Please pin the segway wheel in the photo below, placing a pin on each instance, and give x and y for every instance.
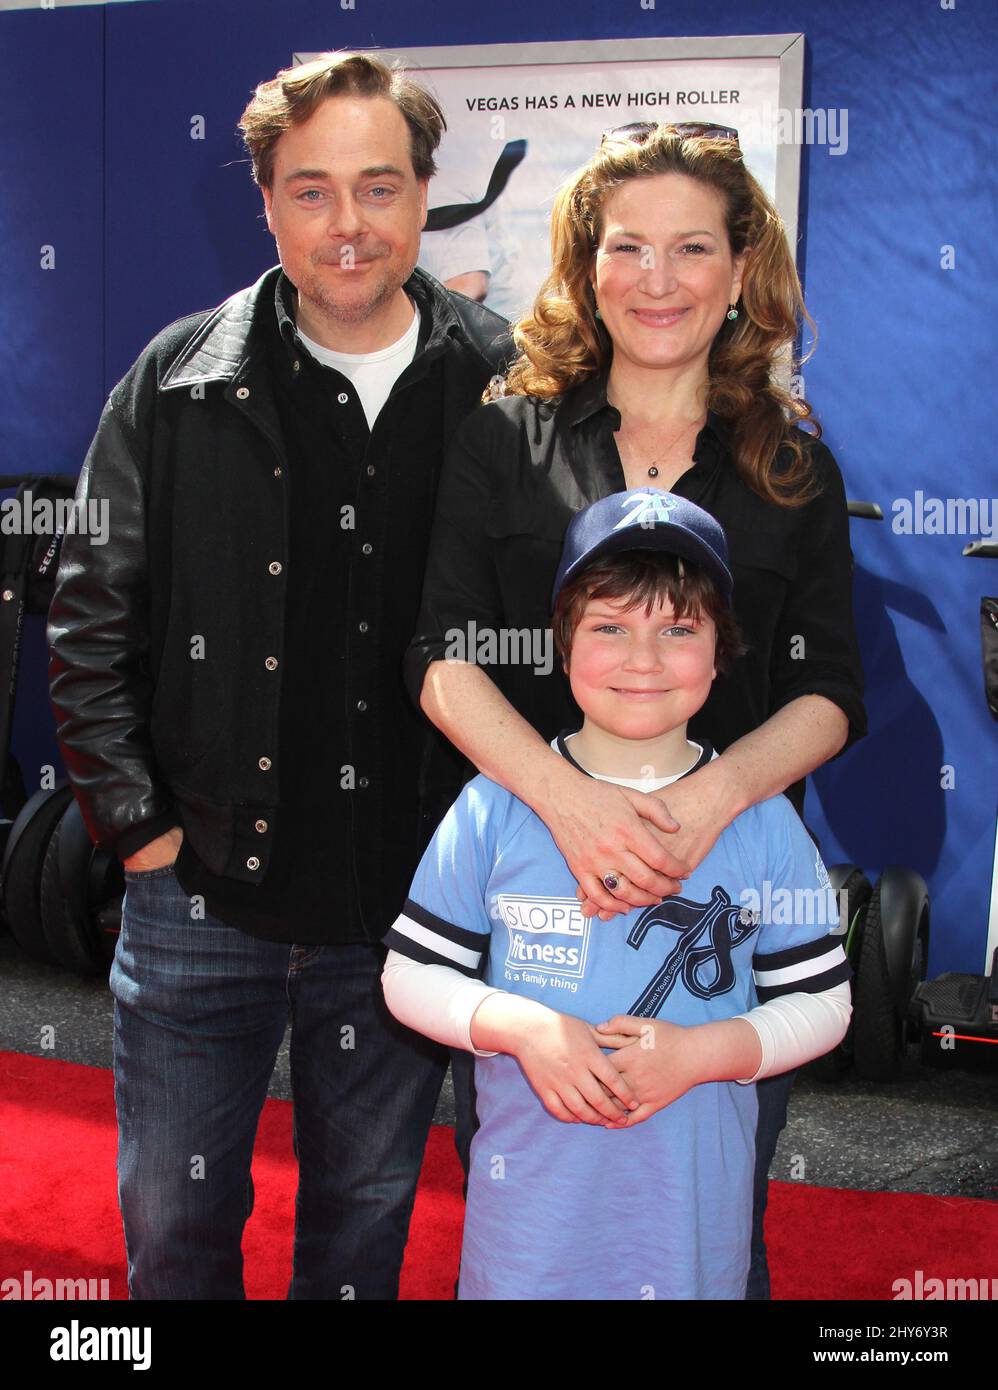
(876, 1035)
(895, 930)
(65, 907)
(106, 894)
(847, 879)
(23, 860)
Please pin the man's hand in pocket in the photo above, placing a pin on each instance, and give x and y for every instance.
(157, 853)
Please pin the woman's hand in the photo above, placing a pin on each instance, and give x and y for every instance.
(701, 805)
(560, 1058)
(600, 827)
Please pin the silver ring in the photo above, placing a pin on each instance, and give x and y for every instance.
(611, 881)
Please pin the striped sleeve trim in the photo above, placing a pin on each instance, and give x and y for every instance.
(807, 969)
(431, 940)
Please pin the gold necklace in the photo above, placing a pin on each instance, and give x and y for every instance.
(653, 470)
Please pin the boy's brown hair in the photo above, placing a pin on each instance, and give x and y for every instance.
(648, 577)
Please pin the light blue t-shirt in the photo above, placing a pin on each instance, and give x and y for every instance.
(575, 1211)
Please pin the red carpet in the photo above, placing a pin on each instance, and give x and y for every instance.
(60, 1219)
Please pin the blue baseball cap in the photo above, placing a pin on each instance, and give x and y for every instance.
(645, 519)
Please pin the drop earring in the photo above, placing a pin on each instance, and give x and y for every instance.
(732, 313)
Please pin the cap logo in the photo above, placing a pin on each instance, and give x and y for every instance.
(647, 509)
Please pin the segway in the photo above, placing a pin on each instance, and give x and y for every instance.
(28, 566)
(885, 935)
(82, 889)
(892, 963)
(957, 1014)
(21, 874)
(853, 891)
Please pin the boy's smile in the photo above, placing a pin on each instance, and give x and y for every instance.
(638, 677)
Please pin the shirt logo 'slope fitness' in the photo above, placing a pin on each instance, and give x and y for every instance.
(701, 957)
(546, 935)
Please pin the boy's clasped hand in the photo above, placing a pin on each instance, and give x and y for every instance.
(615, 1074)
(651, 1062)
(659, 1060)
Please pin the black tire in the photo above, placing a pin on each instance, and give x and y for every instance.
(6, 826)
(107, 892)
(14, 794)
(892, 963)
(835, 1064)
(108, 925)
(877, 1040)
(910, 1031)
(65, 897)
(858, 889)
(23, 860)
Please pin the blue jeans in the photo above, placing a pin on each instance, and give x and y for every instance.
(773, 1095)
(462, 1070)
(200, 1012)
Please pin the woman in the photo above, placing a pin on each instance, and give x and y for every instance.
(649, 360)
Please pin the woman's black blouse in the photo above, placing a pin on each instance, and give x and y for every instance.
(516, 472)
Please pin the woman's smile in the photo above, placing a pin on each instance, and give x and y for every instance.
(659, 318)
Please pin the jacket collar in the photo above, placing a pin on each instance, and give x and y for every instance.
(438, 321)
(223, 346)
(587, 399)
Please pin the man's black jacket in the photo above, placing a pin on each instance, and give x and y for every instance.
(190, 459)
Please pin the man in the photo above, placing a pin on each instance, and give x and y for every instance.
(226, 678)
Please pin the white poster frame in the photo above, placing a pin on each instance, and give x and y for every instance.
(788, 49)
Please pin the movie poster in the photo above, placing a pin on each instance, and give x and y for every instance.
(516, 130)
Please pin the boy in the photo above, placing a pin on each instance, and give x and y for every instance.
(562, 1202)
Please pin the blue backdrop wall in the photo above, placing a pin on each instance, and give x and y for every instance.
(147, 225)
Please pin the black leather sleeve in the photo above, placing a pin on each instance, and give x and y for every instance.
(98, 633)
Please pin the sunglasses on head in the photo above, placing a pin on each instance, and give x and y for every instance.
(639, 131)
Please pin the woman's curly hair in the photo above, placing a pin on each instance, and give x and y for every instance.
(562, 343)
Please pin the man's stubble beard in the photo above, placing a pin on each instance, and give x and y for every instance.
(350, 314)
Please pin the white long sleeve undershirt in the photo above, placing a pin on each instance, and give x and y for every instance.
(441, 1002)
